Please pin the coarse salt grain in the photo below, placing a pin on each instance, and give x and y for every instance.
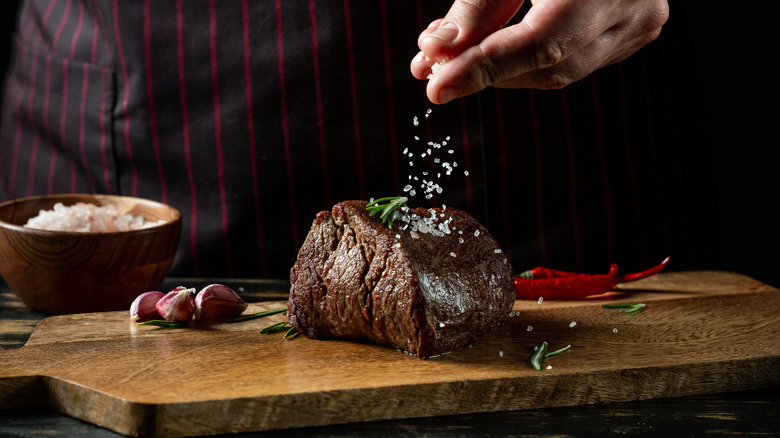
(614, 330)
(530, 328)
(572, 324)
(86, 217)
(540, 300)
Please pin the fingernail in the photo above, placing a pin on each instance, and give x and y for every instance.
(446, 33)
(447, 94)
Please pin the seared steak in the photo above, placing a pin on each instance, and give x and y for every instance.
(436, 282)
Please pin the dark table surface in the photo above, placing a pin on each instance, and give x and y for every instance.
(747, 413)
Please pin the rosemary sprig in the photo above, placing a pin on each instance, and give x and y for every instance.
(165, 324)
(386, 208)
(626, 307)
(541, 353)
(258, 315)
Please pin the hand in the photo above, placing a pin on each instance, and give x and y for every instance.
(557, 43)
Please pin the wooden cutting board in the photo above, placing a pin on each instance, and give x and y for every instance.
(702, 332)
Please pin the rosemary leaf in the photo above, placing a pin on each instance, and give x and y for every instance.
(289, 334)
(536, 359)
(275, 328)
(258, 315)
(636, 308)
(164, 324)
(553, 353)
(626, 307)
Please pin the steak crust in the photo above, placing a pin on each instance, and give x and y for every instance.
(434, 283)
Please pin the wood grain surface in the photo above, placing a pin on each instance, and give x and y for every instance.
(702, 332)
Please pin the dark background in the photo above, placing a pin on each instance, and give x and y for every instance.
(731, 47)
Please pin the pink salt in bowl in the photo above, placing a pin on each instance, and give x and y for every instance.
(63, 272)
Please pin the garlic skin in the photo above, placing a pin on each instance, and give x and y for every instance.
(218, 301)
(144, 307)
(177, 305)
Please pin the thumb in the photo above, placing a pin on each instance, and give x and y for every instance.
(467, 23)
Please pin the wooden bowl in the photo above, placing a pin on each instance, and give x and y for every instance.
(73, 272)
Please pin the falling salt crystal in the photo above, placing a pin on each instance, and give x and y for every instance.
(407, 187)
(451, 151)
(453, 254)
(501, 353)
(540, 300)
(530, 328)
(497, 251)
(476, 233)
(466, 172)
(406, 150)
(572, 324)
(416, 122)
(614, 330)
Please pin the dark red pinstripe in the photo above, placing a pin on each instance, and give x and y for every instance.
(150, 98)
(538, 162)
(100, 27)
(102, 123)
(30, 103)
(63, 109)
(654, 149)
(82, 113)
(186, 136)
(83, 103)
(218, 134)
(46, 128)
(355, 109)
(630, 165)
(682, 189)
(390, 102)
(504, 194)
(286, 122)
(18, 121)
(606, 190)
(575, 223)
(251, 134)
(318, 97)
(464, 132)
(126, 87)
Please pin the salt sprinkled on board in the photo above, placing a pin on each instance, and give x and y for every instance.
(572, 324)
(614, 330)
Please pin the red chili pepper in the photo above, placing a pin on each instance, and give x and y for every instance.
(561, 285)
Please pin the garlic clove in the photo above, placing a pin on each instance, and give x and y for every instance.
(177, 305)
(144, 306)
(218, 301)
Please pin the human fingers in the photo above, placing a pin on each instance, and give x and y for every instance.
(466, 23)
(540, 51)
(575, 67)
